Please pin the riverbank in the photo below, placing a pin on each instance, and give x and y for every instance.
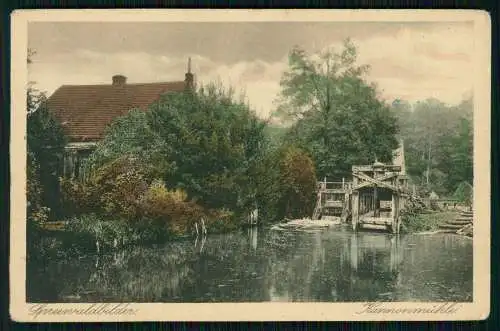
(91, 230)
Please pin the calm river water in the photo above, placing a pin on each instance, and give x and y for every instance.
(262, 265)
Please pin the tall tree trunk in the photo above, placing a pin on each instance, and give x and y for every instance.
(428, 163)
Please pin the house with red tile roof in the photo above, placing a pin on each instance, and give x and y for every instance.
(85, 111)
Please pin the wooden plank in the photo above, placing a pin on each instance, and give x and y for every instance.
(373, 181)
(373, 226)
(333, 204)
(362, 168)
(340, 191)
(369, 168)
(368, 184)
(376, 220)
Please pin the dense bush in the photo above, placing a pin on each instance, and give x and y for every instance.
(286, 184)
(122, 192)
(211, 142)
(45, 146)
(169, 209)
(113, 189)
(298, 183)
(464, 193)
(413, 223)
(36, 212)
(191, 155)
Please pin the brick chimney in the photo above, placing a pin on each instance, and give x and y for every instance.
(189, 78)
(119, 80)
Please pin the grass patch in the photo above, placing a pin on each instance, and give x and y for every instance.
(426, 222)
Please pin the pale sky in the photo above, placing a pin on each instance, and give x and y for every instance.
(410, 61)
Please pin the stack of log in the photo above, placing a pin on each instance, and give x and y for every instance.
(461, 225)
(415, 204)
(467, 229)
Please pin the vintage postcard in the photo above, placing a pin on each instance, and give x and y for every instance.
(239, 165)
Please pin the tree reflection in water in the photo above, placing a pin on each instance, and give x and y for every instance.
(262, 265)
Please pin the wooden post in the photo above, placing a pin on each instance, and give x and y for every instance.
(65, 159)
(393, 207)
(355, 209)
(395, 213)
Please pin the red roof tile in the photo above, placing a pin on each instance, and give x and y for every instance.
(86, 110)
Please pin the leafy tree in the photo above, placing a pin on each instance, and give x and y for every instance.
(202, 142)
(130, 135)
(338, 117)
(213, 142)
(438, 142)
(464, 193)
(45, 146)
(275, 135)
(286, 183)
(297, 182)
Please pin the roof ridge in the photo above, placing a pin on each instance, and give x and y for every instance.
(127, 84)
(88, 109)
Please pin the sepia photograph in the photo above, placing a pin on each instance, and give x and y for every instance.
(293, 159)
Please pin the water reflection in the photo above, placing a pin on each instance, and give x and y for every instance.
(253, 236)
(263, 265)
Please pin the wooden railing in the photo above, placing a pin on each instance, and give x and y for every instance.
(324, 185)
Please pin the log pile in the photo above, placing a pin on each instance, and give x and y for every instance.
(461, 225)
(467, 229)
(306, 224)
(414, 204)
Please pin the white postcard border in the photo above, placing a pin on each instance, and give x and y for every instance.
(62, 312)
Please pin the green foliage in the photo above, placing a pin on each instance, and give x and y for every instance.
(464, 193)
(275, 135)
(120, 192)
(204, 143)
(214, 144)
(413, 223)
(169, 210)
(191, 155)
(438, 143)
(297, 182)
(268, 186)
(286, 183)
(113, 189)
(130, 135)
(120, 184)
(36, 212)
(45, 146)
(339, 118)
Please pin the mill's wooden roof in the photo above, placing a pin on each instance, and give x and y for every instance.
(86, 110)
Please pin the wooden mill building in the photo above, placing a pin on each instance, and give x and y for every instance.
(374, 198)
